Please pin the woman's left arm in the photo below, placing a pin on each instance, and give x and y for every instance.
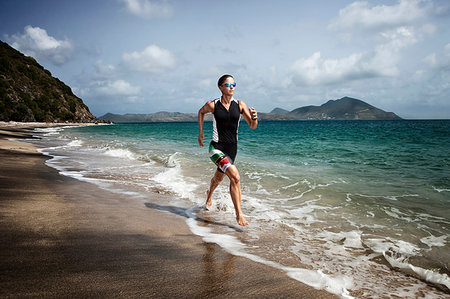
(250, 115)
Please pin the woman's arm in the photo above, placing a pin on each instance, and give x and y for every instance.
(250, 115)
(207, 108)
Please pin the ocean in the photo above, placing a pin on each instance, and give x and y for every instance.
(358, 208)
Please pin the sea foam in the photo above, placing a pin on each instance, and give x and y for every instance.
(316, 278)
(426, 274)
(120, 153)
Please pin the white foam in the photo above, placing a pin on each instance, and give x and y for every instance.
(172, 161)
(397, 247)
(400, 196)
(316, 278)
(351, 239)
(434, 241)
(49, 131)
(290, 186)
(173, 180)
(440, 190)
(395, 213)
(306, 213)
(120, 153)
(348, 197)
(428, 275)
(75, 143)
(334, 284)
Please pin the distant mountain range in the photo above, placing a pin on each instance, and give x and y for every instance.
(162, 116)
(28, 92)
(341, 109)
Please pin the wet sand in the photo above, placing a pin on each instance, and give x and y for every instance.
(61, 237)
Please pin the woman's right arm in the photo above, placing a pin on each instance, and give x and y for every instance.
(207, 108)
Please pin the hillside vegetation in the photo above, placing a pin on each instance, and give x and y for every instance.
(28, 92)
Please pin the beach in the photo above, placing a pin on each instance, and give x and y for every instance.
(61, 237)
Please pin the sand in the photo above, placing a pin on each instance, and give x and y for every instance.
(61, 237)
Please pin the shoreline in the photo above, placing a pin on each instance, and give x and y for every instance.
(64, 237)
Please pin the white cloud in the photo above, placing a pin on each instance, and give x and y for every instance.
(400, 37)
(315, 70)
(360, 15)
(439, 61)
(37, 43)
(387, 55)
(152, 59)
(390, 29)
(149, 9)
(117, 88)
(104, 71)
(381, 62)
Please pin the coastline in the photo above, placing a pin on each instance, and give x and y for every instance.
(64, 237)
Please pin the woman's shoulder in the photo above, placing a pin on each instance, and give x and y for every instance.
(241, 103)
(212, 102)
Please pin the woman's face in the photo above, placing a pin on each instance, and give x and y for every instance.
(228, 91)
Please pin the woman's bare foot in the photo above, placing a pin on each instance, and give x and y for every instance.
(241, 220)
(208, 199)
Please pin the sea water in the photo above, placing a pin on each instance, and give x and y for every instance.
(358, 208)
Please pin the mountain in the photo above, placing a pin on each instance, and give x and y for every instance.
(279, 111)
(342, 109)
(151, 117)
(28, 92)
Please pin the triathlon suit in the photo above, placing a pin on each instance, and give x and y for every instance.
(223, 147)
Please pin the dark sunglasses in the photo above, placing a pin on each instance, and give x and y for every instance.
(229, 84)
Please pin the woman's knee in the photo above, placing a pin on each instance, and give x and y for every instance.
(234, 176)
(236, 180)
(217, 178)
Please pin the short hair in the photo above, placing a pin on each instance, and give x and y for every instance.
(222, 79)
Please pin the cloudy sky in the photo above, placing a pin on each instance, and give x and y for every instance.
(145, 56)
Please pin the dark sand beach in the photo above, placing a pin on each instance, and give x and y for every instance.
(61, 237)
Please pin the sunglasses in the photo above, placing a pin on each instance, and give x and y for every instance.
(229, 84)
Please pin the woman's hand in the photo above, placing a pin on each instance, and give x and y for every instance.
(253, 113)
(201, 136)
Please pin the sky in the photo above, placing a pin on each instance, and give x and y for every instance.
(146, 56)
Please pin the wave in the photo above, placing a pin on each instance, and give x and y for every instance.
(425, 274)
(434, 241)
(336, 237)
(75, 143)
(440, 189)
(334, 284)
(120, 153)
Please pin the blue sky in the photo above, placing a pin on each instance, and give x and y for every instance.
(145, 56)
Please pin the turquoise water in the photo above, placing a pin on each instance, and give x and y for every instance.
(359, 208)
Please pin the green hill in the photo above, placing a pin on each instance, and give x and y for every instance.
(28, 92)
(344, 109)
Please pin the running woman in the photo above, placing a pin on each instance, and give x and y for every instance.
(227, 113)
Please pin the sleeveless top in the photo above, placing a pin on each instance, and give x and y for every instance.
(226, 122)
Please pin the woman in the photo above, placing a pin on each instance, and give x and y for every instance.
(223, 148)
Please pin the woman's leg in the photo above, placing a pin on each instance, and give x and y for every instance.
(215, 181)
(235, 192)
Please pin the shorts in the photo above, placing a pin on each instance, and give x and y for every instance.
(222, 155)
